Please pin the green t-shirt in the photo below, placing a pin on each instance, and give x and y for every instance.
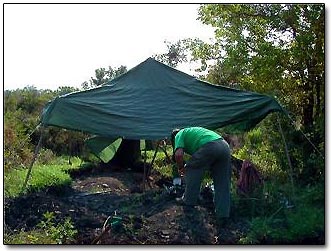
(192, 138)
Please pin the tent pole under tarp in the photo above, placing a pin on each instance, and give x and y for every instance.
(144, 178)
(148, 172)
(163, 148)
(33, 159)
(156, 149)
(160, 144)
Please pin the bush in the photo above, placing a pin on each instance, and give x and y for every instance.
(46, 232)
(17, 146)
(61, 232)
(284, 224)
(259, 150)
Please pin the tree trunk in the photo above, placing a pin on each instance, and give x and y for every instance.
(308, 112)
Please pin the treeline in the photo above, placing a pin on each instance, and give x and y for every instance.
(22, 110)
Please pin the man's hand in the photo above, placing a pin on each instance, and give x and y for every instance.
(181, 171)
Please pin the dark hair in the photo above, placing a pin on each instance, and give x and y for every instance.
(173, 135)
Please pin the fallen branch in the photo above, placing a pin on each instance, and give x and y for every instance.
(105, 229)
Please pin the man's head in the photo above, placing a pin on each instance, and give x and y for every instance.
(173, 135)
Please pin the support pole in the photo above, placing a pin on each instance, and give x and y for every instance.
(154, 156)
(145, 159)
(163, 148)
(287, 155)
(33, 159)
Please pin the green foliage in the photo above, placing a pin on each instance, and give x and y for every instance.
(33, 237)
(41, 177)
(175, 54)
(161, 164)
(102, 76)
(65, 142)
(48, 231)
(17, 146)
(285, 223)
(276, 49)
(22, 108)
(261, 151)
(46, 156)
(61, 233)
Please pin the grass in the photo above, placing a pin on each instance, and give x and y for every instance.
(56, 173)
(41, 177)
(29, 237)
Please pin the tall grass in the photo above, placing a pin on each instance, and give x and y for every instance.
(41, 176)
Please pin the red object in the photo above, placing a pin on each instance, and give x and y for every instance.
(249, 179)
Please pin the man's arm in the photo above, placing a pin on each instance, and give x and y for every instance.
(179, 157)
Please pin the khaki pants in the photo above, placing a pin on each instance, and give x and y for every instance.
(216, 157)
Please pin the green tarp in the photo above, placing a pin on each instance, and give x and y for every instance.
(104, 148)
(152, 99)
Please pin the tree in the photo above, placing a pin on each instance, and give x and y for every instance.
(102, 76)
(276, 49)
(285, 41)
(175, 54)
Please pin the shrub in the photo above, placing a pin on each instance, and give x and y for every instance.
(46, 232)
(31, 237)
(284, 224)
(61, 232)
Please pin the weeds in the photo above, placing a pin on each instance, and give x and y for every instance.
(61, 232)
(46, 232)
(30, 237)
(280, 222)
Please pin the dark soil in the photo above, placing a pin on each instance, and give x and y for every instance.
(147, 216)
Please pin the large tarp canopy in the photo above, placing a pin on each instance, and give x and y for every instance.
(152, 99)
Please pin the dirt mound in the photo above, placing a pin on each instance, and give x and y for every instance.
(149, 217)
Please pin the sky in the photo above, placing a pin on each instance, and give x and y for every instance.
(52, 45)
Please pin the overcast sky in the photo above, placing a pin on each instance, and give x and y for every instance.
(48, 46)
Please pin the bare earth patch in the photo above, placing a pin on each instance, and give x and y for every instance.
(149, 217)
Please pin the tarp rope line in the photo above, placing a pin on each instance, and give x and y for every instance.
(287, 156)
(145, 171)
(293, 122)
(28, 137)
